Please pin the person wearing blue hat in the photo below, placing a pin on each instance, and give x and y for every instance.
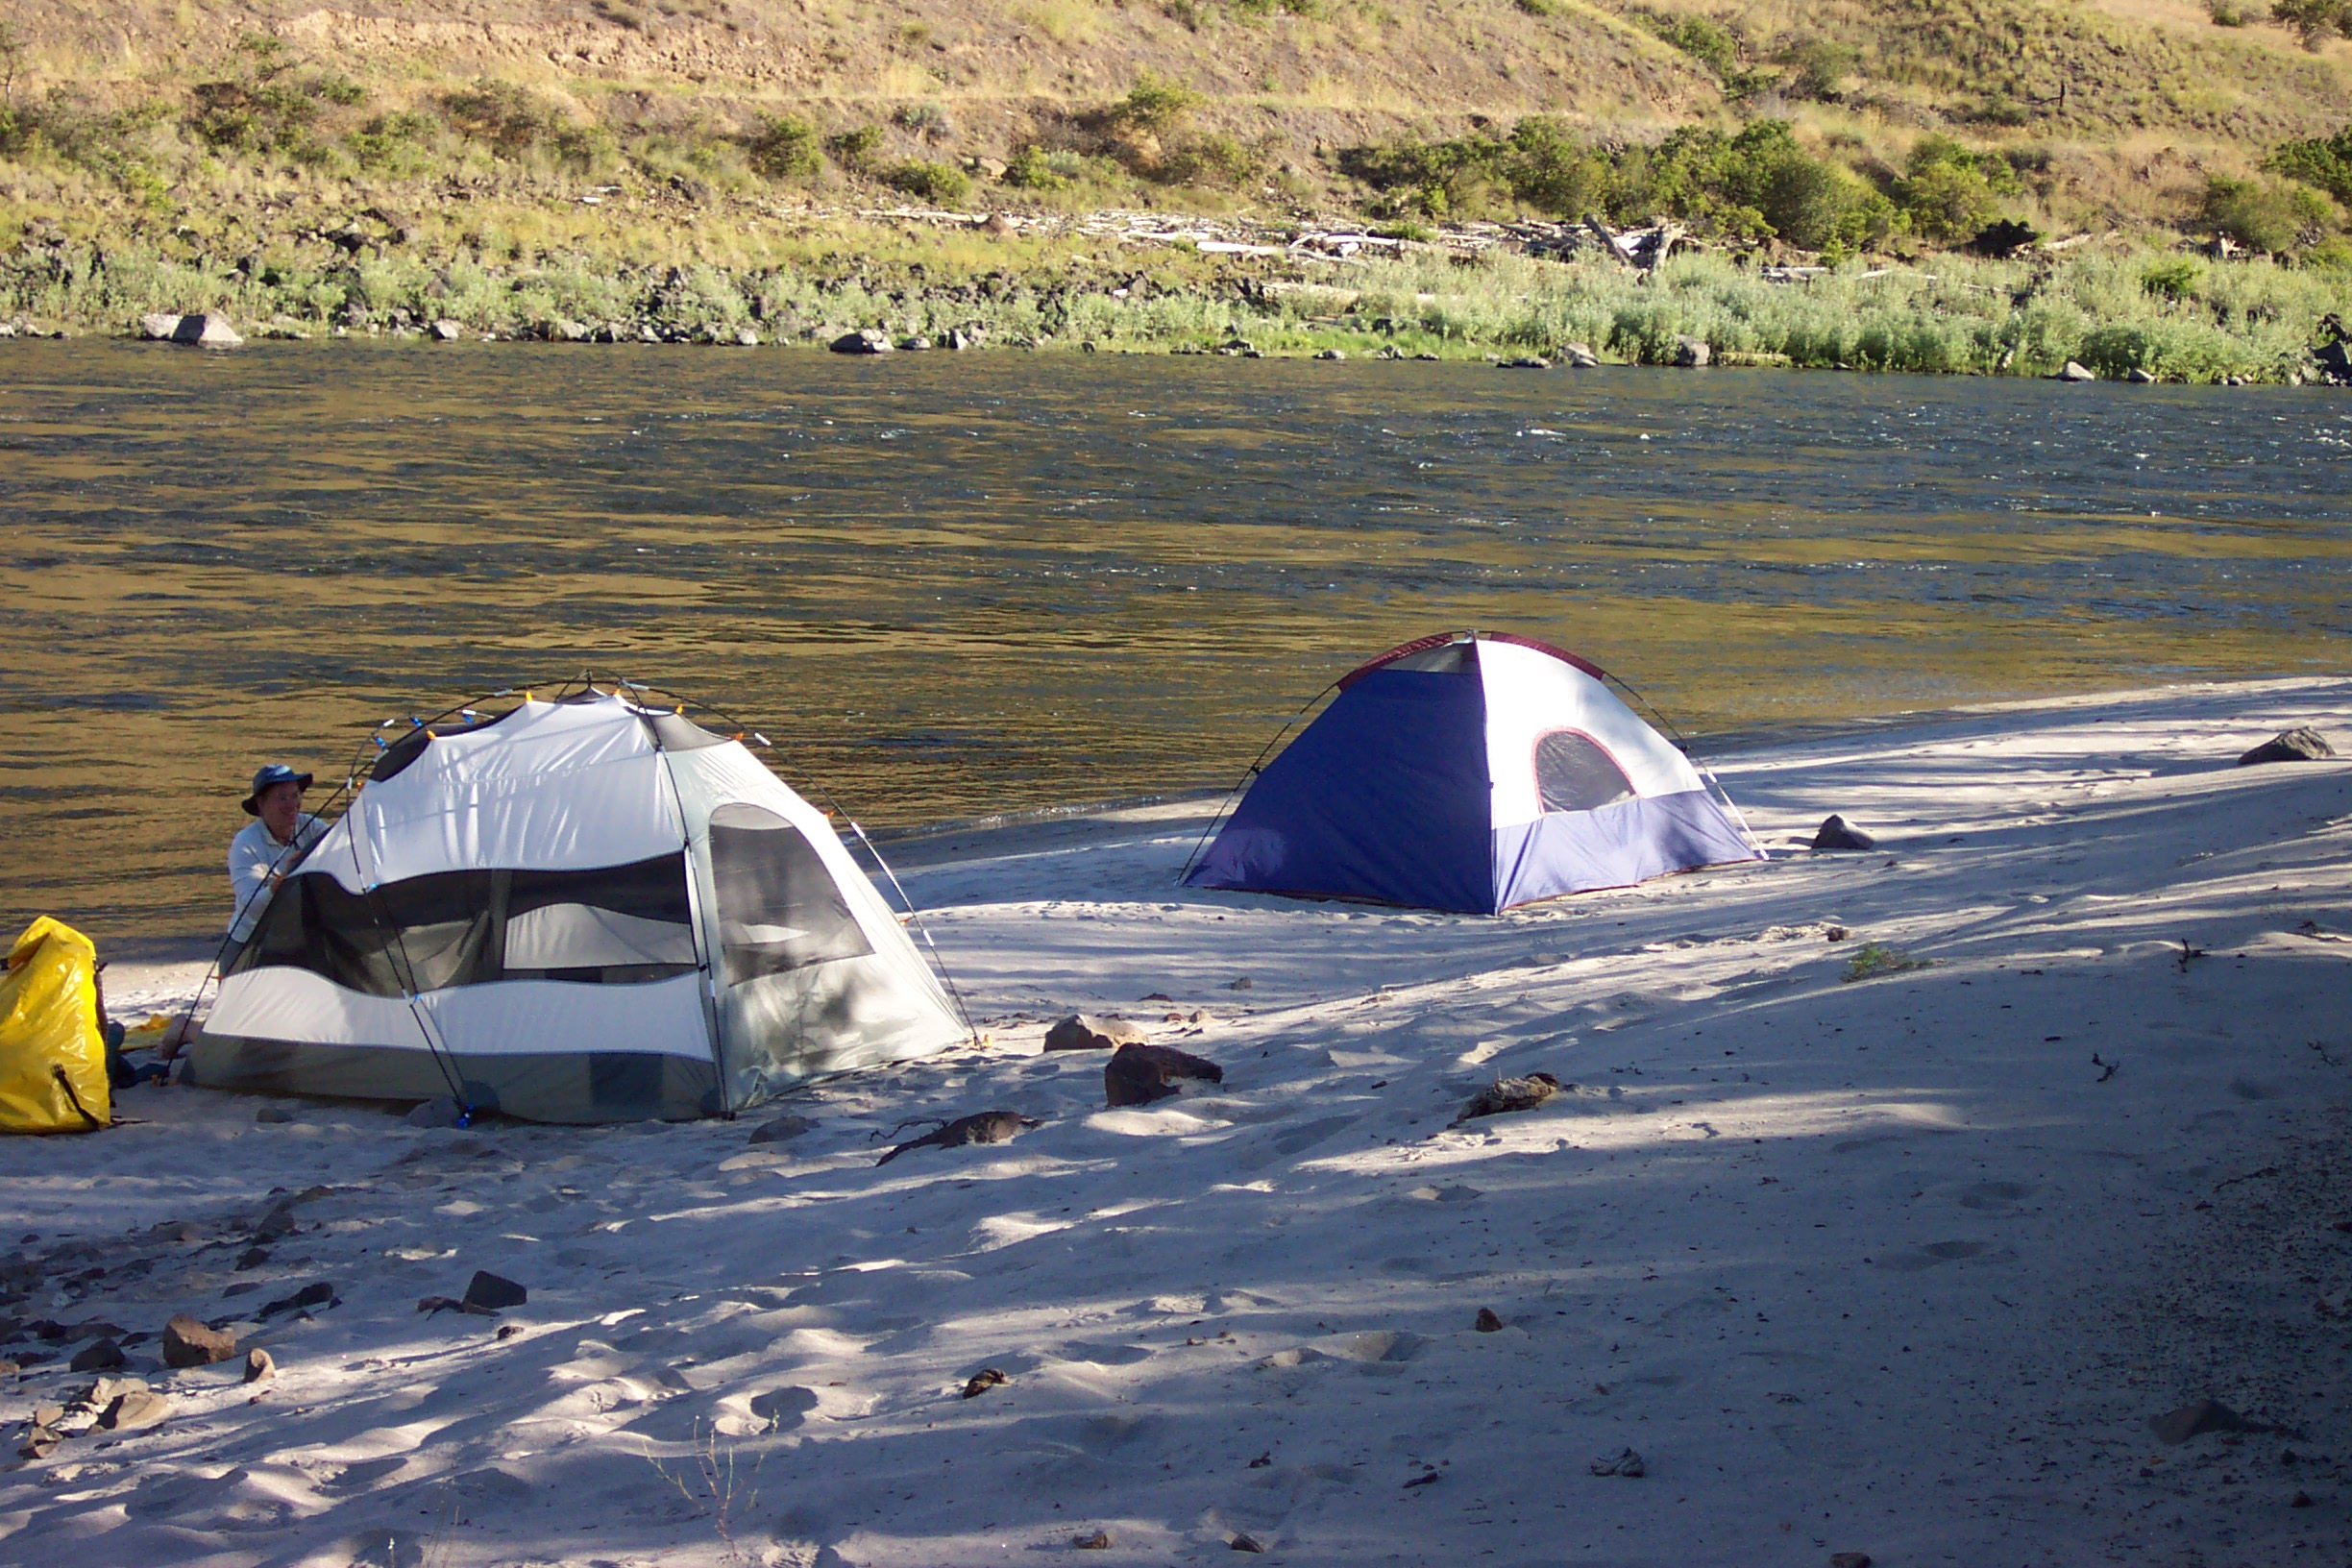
(268, 846)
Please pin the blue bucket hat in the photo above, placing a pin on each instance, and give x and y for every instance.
(277, 772)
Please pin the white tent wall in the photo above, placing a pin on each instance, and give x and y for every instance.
(781, 1028)
(485, 800)
(1530, 694)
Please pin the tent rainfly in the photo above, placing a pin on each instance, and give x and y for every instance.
(1472, 772)
(578, 911)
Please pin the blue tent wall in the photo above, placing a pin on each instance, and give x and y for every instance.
(1384, 797)
(1615, 846)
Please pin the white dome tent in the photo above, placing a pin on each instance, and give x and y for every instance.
(584, 910)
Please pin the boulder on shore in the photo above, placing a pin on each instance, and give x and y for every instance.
(2073, 372)
(158, 328)
(1692, 353)
(1140, 1074)
(1579, 357)
(207, 331)
(1083, 1032)
(1837, 833)
(2303, 744)
(187, 1342)
(865, 340)
(446, 331)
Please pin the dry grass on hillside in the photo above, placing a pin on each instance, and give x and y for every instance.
(2119, 108)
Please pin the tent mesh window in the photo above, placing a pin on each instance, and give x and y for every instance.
(779, 907)
(605, 925)
(1574, 774)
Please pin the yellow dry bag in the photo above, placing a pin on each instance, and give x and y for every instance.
(52, 1071)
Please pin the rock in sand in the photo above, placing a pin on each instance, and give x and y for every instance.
(1486, 1322)
(98, 1355)
(2196, 1418)
(1849, 1559)
(2304, 744)
(982, 1381)
(1083, 1032)
(1508, 1094)
(1099, 1541)
(780, 1129)
(444, 1112)
(259, 1365)
(1836, 833)
(138, 1408)
(187, 1342)
(1140, 1074)
(1624, 1463)
(493, 1293)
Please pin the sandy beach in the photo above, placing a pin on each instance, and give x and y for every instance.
(1892, 1196)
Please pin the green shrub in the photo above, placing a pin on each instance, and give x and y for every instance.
(1756, 185)
(851, 149)
(939, 183)
(1032, 168)
(2333, 253)
(927, 121)
(2230, 13)
(513, 122)
(1551, 171)
(2315, 21)
(786, 148)
(2264, 215)
(1153, 105)
(1822, 66)
(1708, 42)
(1538, 8)
(395, 144)
(1220, 160)
(2326, 164)
(2175, 278)
(1947, 202)
(1950, 193)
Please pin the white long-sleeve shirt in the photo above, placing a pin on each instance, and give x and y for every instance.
(253, 857)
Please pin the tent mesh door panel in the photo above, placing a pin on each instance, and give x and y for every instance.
(779, 908)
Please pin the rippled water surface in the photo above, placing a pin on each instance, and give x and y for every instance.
(952, 586)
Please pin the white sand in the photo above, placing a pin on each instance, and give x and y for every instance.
(1879, 1266)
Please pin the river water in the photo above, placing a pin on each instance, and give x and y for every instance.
(949, 587)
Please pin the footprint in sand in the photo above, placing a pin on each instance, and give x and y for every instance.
(1997, 1196)
(1930, 1255)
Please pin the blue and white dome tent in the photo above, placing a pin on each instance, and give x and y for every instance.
(1473, 772)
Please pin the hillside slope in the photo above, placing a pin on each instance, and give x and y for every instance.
(2147, 78)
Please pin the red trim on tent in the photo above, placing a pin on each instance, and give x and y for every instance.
(1441, 638)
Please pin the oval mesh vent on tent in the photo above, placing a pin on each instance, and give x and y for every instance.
(1573, 774)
